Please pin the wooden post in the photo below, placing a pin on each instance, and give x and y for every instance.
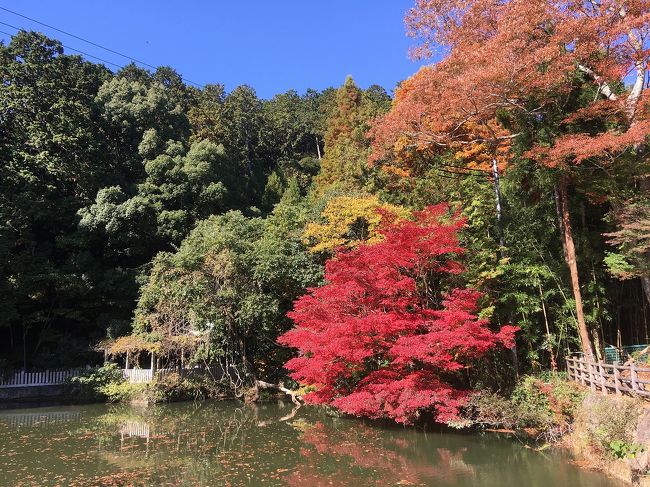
(574, 369)
(603, 382)
(126, 365)
(153, 365)
(568, 368)
(633, 378)
(592, 376)
(617, 379)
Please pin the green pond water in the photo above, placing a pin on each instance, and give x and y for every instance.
(226, 443)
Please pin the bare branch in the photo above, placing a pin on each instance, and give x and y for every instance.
(602, 84)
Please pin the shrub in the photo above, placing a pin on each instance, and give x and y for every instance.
(487, 409)
(620, 449)
(549, 399)
(546, 404)
(93, 384)
(608, 425)
(174, 387)
(122, 391)
(5, 368)
(642, 357)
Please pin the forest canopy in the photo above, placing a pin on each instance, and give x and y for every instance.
(502, 188)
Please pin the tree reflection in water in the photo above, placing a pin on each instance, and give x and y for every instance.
(363, 455)
(229, 444)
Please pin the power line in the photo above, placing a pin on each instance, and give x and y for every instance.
(76, 37)
(91, 43)
(445, 173)
(467, 169)
(66, 47)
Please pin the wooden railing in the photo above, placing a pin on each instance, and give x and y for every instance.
(610, 378)
(44, 378)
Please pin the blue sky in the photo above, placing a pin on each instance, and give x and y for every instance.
(271, 45)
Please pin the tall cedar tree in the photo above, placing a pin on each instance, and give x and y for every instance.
(345, 163)
(382, 339)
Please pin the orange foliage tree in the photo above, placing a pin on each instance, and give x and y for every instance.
(511, 65)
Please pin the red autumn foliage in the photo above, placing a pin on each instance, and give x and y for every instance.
(381, 339)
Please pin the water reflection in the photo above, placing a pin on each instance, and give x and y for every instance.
(230, 444)
(38, 418)
(362, 454)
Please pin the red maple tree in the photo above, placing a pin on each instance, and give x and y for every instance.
(383, 338)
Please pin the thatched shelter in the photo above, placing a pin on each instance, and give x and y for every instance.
(169, 348)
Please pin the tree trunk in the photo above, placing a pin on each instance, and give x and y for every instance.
(570, 258)
(24, 348)
(644, 185)
(502, 245)
(645, 282)
(181, 366)
(250, 370)
(548, 329)
(280, 387)
(515, 361)
(497, 194)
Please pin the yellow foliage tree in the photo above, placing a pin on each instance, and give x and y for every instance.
(347, 221)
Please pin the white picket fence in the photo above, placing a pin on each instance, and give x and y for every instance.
(58, 377)
(18, 420)
(44, 378)
(135, 428)
(137, 376)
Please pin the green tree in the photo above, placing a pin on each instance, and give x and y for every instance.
(234, 277)
(52, 162)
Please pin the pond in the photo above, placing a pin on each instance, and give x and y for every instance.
(229, 444)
